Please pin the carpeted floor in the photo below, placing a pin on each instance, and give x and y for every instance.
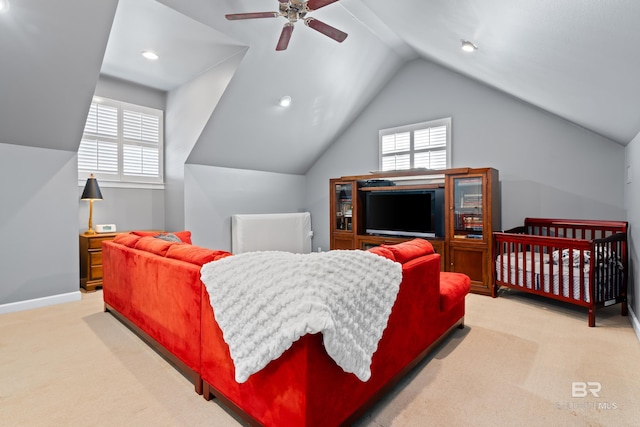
(513, 365)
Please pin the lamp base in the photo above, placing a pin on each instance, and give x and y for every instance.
(90, 232)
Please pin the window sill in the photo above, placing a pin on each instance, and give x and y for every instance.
(116, 184)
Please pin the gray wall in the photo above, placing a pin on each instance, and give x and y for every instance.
(38, 211)
(213, 194)
(189, 108)
(632, 188)
(49, 71)
(122, 90)
(548, 166)
(129, 208)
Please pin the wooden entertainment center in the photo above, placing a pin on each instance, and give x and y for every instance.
(471, 212)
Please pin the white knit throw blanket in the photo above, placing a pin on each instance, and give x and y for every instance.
(265, 301)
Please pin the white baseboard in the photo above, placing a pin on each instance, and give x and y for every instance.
(634, 322)
(39, 302)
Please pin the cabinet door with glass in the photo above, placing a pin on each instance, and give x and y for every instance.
(342, 214)
(473, 201)
(468, 205)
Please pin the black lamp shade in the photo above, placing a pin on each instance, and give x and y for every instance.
(91, 190)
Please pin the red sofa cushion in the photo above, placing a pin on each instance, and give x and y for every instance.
(127, 239)
(195, 254)
(406, 251)
(155, 246)
(383, 251)
(453, 288)
(145, 233)
(184, 235)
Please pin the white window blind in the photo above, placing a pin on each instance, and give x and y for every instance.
(102, 120)
(140, 127)
(421, 145)
(139, 161)
(122, 142)
(98, 156)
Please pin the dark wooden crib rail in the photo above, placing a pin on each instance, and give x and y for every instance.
(604, 242)
(574, 228)
(611, 261)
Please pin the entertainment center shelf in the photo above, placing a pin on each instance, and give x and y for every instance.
(457, 210)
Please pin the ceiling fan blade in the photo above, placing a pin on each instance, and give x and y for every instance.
(285, 36)
(253, 15)
(317, 4)
(326, 29)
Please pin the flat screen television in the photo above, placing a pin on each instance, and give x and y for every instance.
(417, 213)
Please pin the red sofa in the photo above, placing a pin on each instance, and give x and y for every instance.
(154, 287)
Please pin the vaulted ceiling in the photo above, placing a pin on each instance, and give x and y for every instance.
(574, 59)
(50, 55)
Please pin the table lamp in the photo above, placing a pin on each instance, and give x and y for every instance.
(91, 192)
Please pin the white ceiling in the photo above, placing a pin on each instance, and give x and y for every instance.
(577, 60)
(186, 47)
(50, 61)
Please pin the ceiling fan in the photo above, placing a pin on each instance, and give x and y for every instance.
(293, 10)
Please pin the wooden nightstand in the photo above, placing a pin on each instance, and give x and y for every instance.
(91, 259)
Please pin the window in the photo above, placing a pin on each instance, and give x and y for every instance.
(122, 142)
(421, 145)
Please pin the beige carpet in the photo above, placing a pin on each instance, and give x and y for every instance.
(512, 365)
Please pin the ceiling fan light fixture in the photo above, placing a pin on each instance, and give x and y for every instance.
(285, 101)
(151, 55)
(293, 11)
(468, 46)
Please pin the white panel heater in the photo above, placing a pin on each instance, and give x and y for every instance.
(289, 232)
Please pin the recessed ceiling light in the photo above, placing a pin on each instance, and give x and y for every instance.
(4, 6)
(285, 101)
(150, 55)
(468, 46)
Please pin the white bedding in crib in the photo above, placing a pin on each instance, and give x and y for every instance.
(537, 271)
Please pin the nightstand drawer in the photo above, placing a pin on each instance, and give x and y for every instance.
(95, 272)
(91, 259)
(96, 242)
(95, 258)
